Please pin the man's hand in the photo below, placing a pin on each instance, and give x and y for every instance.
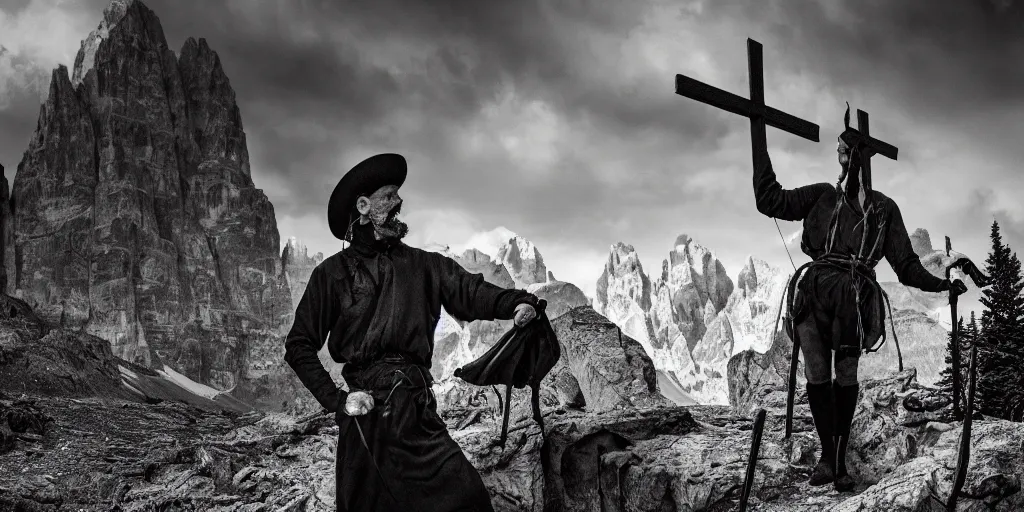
(358, 403)
(524, 314)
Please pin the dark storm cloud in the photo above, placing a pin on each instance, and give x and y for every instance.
(13, 7)
(323, 84)
(20, 116)
(940, 56)
(341, 66)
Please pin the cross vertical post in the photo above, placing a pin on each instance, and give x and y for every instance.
(873, 146)
(755, 73)
(865, 166)
(760, 115)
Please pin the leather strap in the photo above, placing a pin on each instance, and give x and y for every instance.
(355, 419)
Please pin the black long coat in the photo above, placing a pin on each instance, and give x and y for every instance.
(380, 301)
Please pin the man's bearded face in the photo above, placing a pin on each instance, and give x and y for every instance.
(844, 153)
(381, 209)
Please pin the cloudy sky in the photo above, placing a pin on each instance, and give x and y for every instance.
(558, 119)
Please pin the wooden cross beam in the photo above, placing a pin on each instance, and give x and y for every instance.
(874, 146)
(754, 108)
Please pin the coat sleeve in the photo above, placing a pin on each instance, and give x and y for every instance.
(774, 201)
(314, 317)
(904, 261)
(469, 297)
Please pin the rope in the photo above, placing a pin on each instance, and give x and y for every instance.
(785, 246)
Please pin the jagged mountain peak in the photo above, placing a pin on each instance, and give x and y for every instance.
(687, 251)
(504, 247)
(755, 271)
(623, 258)
(624, 276)
(296, 252)
(123, 149)
(113, 13)
(488, 242)
(921, 242)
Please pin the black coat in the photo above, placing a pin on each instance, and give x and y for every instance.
(383, 301)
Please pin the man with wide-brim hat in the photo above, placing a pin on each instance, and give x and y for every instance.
(380, 300)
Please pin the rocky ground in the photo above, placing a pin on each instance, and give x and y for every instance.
(105, 454)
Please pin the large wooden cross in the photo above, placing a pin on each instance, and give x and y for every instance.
(754, 108)
(874, 145)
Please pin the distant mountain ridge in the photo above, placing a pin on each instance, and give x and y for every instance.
(693, 319)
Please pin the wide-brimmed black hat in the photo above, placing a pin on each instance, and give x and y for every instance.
(362, 180)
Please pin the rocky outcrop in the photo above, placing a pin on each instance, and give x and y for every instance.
(753, 376)
(903, 454)
(519, 257)
(37, 359)
(135, 214)
(561, 296)
(696, 286)
(6, 233)
(494, 272)
(730, 318)
(624, 294)
(612, 369)
(921, 241)
(747, 323)
(523, 261)
(298, 265)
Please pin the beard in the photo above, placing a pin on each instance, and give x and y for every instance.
(386, 224)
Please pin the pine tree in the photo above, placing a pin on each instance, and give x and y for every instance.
(966, 335)
(1001, 350)
(946, 375)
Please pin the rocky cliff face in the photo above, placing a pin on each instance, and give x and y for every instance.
(6, 233)
(523, 262)
(683, 306)
(502, 247)
(696, 286)
(624, 293)
(298, 265)
(135, 215)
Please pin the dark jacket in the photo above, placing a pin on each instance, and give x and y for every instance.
(844, 296)
(342, 297)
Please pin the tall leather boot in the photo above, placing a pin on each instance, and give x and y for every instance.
(846, 405)
(819, 397)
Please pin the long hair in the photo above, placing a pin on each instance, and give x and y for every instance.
(857, 151)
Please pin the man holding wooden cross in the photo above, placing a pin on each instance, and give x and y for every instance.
(835, 302)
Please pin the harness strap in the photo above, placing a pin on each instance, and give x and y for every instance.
(856, 268)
